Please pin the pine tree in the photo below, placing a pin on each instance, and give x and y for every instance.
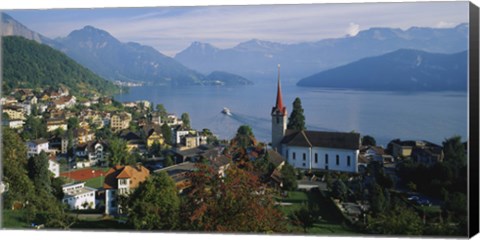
(296, 121)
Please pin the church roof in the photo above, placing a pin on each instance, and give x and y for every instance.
(279, 107)
(339, 140)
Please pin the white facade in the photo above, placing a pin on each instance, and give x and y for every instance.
(54, 167)
(320, 158)
(77, 196)
(111, 205)
(36, 147)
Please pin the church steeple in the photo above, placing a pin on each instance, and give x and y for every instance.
(279, 104)
(279, 118)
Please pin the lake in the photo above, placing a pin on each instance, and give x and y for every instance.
(431, 116)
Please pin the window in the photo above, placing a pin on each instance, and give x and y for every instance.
(338, 160)
(293, 156)
(304, 156)
(316, 157)
(348, 161)
(326, 159)
(304, 164)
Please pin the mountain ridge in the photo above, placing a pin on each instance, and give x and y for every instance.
(401, 70)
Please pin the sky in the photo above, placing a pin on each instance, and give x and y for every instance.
(172, 29)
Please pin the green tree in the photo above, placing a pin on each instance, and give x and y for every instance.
(244, 137)
(377, 200)
(154, 205)
(163, 112)
(168, 161)
(304, 217)
(399, 221)
(454, 155)
(167, 133)
(118, 151)
(289, 179)
(296, 121)
(14, 157)
(72, 123)
(186, 120)
(39, 173)
(368, 140)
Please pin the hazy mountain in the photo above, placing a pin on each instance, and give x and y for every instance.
(402, 70)
(29, 64)
(224, 78)
(256, 59)
(11, 27)
(112, 59)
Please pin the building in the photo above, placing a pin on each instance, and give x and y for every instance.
(154, 136)
(35, 147)
(14, 112)
(427, 153)
(13, 123)
(120, 121)
(77, 196)
(122, 180)
(54, 166)
(312, 150)
(56, 123)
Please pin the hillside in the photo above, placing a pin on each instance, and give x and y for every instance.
(28, 64)
(402, 70)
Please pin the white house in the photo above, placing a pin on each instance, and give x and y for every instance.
(54, 167)
(35, 147)
(315, 150)
(77, 196)
(13, 123)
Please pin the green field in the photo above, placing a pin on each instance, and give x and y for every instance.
(95, 182)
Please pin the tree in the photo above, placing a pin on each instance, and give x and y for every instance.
(168, 161)
(163, 112)
(14, 159)
(118, 151)
(244, 137)
(72, 123)
(154, 205)
(39, 173)
(454, 155)
(235, 203)
(167, 133)
(289, 179)
(296, 121)
(398, 221)
(304, 217)
(186, 120)
(377, 200)
(368, 140)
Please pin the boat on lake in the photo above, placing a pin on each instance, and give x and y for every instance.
(226, 111)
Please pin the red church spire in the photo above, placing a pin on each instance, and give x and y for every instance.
(279, 104)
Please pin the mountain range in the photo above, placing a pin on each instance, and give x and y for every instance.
(205, 64)
(105, 55)
(401, 70)
(257, 59)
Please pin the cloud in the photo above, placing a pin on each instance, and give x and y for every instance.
(443, 24)
(353, 29)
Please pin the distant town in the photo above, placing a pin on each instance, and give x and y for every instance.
(104, 164)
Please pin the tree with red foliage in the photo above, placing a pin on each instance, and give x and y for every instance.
(235, 203)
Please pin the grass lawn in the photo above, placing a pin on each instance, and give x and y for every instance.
(95, 182)
(14, 219)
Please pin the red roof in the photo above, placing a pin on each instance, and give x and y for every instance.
(279, 103)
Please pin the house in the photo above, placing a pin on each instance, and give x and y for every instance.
(427, 153)
(13, 123)
(54, 166)
(195, 154)
(376, 153)
(78, 196)
(97, 152)
(122, 180)
(64, 102)
(14, 112)
(134, 141)
(154, 136)
(173, 120)
(120, 121)
(179, 174)
(312, 150)
(56, 123)
(59, 144)
(83, 135)
(35, 147)
(401, 149)
(178, 132)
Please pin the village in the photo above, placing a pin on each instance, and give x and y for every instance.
(103, 150)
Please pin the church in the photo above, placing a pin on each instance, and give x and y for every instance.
(312, 150)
